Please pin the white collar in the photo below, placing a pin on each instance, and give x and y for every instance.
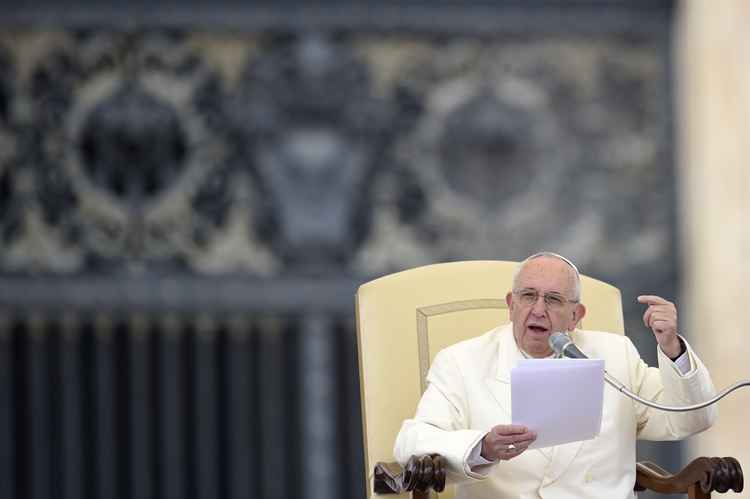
(553, 355)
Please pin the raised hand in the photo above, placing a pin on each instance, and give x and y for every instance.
(661, 317)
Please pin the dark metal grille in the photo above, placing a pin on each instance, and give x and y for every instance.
(176, 407)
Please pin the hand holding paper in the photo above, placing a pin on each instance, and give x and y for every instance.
(504, 442)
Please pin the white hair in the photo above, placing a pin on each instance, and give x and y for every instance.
(550, 254)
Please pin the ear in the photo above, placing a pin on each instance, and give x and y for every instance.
(509, 300)
(579, 311)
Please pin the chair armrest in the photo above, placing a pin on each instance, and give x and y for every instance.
(702, 474)
(420, 474)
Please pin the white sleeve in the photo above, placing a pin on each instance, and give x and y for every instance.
(476, 462)
(682, 363)
(440, 425)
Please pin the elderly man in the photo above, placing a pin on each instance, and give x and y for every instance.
(465, 412)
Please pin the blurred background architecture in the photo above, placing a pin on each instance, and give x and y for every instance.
(190, 194)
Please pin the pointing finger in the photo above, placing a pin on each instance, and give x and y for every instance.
(652, 300)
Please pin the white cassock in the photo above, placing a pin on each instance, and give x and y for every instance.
(469, 393)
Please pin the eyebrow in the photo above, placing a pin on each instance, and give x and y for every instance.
(559, 293)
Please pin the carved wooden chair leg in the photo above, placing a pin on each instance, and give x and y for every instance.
(698, 479)
(420, 475)
(695, 492)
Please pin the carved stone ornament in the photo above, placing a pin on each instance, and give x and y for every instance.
(125, 166)
(518, 148)
(312, 134)
(318, 152)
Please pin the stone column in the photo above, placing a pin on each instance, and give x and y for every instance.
(713, 75)
(319, 401)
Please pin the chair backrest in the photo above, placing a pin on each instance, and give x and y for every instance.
(404, 319)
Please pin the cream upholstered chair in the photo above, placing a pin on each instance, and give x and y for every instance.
(405, 319)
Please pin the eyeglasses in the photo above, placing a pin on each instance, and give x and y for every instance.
(553, 301)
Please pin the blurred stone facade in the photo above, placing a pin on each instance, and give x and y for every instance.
(154, 156)
(363, 154)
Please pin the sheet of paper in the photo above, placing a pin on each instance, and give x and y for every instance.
(554, 362)
(559, 399)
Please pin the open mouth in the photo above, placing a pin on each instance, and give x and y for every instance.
(537, 329)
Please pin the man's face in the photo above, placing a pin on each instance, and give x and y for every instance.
(533, 323)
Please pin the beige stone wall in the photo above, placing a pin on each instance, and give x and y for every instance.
(713, 73)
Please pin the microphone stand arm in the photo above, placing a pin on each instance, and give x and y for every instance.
(622, 389)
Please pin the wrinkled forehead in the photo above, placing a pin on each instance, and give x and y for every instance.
(547, 274)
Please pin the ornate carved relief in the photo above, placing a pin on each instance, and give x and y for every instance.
(314, 134)
(121, 156)
(319, 153)
(530, 144)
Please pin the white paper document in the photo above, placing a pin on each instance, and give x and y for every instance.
(559, 399)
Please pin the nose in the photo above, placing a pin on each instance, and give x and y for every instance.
(539, 308)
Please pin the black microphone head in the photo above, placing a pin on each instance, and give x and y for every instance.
(558, 341)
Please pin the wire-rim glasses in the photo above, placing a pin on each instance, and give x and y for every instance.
(552, 300)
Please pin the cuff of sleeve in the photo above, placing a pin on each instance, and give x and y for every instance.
(475, 466)
(476, 462)
(682, 364)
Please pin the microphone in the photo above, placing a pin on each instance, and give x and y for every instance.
(562, 344)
